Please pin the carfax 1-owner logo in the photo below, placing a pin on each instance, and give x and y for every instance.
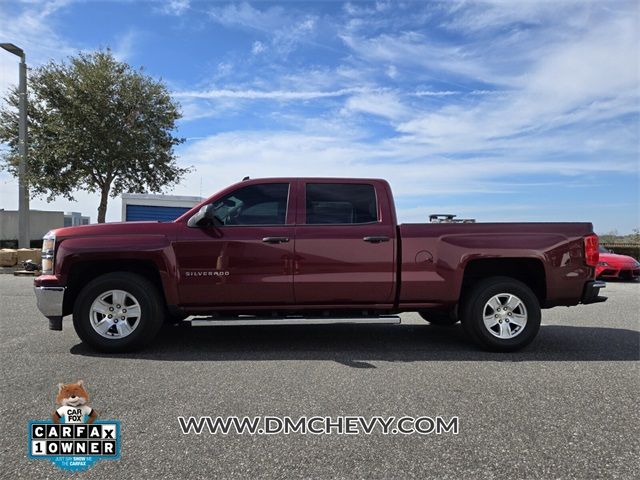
(74, 438)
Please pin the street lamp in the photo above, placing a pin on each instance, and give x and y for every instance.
(24, 239)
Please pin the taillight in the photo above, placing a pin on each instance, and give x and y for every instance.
(591, 251)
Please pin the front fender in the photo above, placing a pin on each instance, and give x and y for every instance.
(154, 249)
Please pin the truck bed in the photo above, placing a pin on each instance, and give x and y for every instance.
(433, 257)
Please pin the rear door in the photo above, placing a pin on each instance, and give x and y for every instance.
(345, 244)
(248, 260)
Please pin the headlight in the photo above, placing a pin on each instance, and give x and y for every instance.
(48, 250)
(603, 264)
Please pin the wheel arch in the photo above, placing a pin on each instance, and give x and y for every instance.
(529, 271)
(83, 272)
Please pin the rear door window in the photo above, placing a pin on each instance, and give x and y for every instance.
(340, 203)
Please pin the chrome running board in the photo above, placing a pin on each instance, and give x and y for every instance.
(249, 320)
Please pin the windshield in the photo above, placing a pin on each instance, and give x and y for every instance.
(601, 249)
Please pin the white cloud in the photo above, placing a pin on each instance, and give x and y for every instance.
(591, 78)
(416, 50)
(224, 69)
(34, 31)
(360, 9)
(602, 63)
(279, 95)
(198, 110)
(411, 168)
(435, 93)
(285, 28)
(245, 15)
(175, 7)
(392, 71)
(382, 104)
(124, 46)
(484, 15)
(258, 47)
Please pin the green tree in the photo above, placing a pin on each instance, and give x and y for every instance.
(95, 124)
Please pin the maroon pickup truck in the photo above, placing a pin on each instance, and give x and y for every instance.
(312, 250)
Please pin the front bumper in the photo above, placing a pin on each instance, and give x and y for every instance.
(619, 272)
(49, 300)
(591, 291)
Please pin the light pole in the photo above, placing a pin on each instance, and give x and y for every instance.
(24, 239)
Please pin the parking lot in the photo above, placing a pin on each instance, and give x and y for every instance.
(565, 407)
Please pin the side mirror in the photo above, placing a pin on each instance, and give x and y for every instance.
(204, 218)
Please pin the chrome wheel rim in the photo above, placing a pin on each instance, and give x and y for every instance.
(505, 316)
(115, 314)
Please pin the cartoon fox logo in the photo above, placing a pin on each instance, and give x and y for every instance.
(73, 398)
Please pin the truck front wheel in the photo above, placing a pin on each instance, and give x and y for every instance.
(501, 314)
(118, 312)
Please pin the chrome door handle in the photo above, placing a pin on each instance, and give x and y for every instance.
(377, 239)
(275, 239)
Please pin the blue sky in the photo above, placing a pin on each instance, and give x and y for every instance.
(497, 110)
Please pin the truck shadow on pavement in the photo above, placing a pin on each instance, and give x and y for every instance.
(358, 345)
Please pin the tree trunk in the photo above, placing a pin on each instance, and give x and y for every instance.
(104, 197)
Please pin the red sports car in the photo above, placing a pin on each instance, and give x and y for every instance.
(612, 266)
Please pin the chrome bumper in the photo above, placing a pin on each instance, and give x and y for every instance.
(49, 300)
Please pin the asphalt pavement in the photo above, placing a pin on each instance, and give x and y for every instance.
(565, 407)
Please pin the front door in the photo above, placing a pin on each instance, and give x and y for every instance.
(246, 259)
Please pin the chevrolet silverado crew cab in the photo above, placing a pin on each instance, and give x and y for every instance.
(312, 250)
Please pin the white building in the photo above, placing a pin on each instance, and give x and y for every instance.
(40, 222)
(73, 219)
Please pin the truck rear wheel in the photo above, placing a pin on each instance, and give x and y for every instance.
(501, 314)
(118, 312)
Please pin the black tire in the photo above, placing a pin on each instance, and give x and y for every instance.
(151, 307)
(443, 318)
(628, 276)
(474, 308)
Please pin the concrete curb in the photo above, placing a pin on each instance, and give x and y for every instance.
(9, 270)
